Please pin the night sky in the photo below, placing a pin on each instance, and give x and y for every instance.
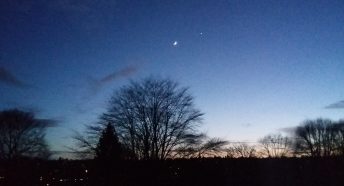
(254, 67)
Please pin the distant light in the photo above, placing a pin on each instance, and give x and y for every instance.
(201, 33)
(175, 43)
(86, 170)
(61, 180)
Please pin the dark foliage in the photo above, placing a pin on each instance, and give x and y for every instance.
(108, 147)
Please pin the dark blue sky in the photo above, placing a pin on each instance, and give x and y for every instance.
(254, 67)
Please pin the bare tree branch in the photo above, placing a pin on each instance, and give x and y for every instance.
(21, 134)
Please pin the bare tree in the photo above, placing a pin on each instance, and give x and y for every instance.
(338, 127)
(22, 135)
(316, 138)
(86, 145)
(241, 150)
(151, 117)
(199, 146)
(276, 145)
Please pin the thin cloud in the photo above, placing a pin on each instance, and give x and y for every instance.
(22, 106)
(98, 84)
(288, 130)
(6, 77)
(247, 125)
(30, 108)
(128, 71)
(95, 85)
(49, 122)
(337, 105)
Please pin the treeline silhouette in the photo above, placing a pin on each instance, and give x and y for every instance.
(194, 171)
(149, 136)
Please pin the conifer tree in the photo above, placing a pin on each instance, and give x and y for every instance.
(108, 147)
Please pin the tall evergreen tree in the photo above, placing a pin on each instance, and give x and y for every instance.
(108, 147)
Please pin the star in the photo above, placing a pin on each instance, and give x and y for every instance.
(175, 43)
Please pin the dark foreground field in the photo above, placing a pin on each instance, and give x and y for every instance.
(274, 172)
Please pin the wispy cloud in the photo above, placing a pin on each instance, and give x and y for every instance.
(49, 122)
(97, 84)
(8, 78)
(118, 74)
(288, 130)
(337, 105)
(21, 106)
(246, 125)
